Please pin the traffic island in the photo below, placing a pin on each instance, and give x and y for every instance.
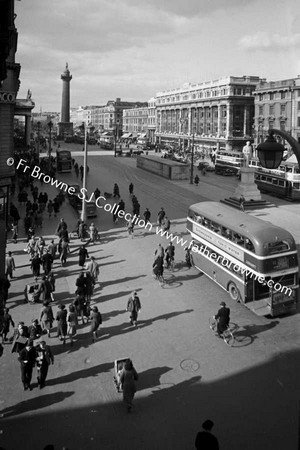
(172, 170)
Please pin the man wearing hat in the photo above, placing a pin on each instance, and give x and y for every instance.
(205, 439)
(44, 359)
(223, 318)
(133, 306)
(27, 360)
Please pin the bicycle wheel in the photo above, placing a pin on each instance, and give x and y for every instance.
(212, 323)
(228, 337)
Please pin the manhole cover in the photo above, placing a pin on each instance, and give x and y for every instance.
(189, 365)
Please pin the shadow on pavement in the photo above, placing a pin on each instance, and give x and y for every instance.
(151, 377)
(36, 403)
(80, 374)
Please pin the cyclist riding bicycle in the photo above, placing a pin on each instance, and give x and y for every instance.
(170, 254)
(223, 318)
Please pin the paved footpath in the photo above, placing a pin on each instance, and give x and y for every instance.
(186, 374)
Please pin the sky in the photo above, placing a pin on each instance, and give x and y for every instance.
(133, 49)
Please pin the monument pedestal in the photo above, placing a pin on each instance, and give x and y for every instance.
(247, 186)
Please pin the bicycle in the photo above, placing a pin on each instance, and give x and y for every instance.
(170, 264)
(227, 334)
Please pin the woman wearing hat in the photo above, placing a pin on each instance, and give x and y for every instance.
(46, 317)
(72, 322)
(96, 319)
(128, 377)
(223, 318)
(61, 317)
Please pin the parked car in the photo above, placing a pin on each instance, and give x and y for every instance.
(150, 146)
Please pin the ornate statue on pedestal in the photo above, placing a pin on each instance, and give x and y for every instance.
(248, 152)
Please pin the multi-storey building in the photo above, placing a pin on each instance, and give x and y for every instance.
(108, 117)
(277, 105)
(216, 114)
(151, 119)
(135, 121)
(9, 86)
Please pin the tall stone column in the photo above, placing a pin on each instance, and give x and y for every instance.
(65, 101)
(65, 126)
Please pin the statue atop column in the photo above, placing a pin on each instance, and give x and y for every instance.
(248, 152)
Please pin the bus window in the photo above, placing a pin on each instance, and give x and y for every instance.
(206, 223)
(226, 232)
(238, 239)
(276, 247)
(197, 218)
(249, 245)
(216, 227)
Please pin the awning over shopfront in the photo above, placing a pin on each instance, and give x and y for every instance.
(142, 135)
(106, 133)
(126, 135)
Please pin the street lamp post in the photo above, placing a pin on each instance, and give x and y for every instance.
(270, 152)
(38, 139)
(50, 125)
(116, 136)
(84, 181)
(192, 159)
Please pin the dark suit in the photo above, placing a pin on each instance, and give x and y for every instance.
(44, 359)
(223, 317)
(27, 360)
(206, 441)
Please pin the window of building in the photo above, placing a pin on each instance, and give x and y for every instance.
(282, 95)
(261, 111)
(282, 126)
(298, 121)
(271, 97)
(271, 110)
(282, 108)
(298, 106)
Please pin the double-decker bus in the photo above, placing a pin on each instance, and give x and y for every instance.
(228, 162)
(283, 182)
(63, 161)
(255, 261)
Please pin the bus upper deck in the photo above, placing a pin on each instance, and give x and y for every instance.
(248, 257)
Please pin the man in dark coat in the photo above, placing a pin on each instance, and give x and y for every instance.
(147, 215)
(133, 306)
(205, 440)
(47, 261)
(223, 318)
(83, 254)
(61, 226)
(44, 359)
(35, 330)
(160, 216)
(27, 360)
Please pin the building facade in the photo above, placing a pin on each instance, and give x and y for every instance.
(277, 105)
(151, 119)
(9, 86)
(108, 117)
(135, 121)
(215, 114)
